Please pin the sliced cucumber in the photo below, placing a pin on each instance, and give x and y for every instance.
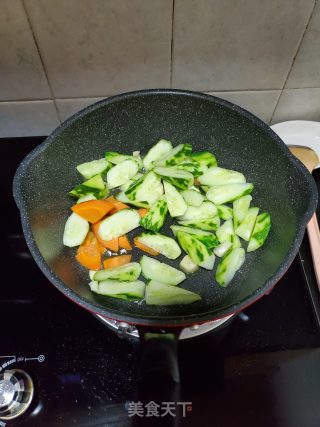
(192, 197)
(203, 224)
(208, 263)
(156, 270)
(127, 272)
(244, 230)
(92, 273)
(75, 230)
(187, 265)
(124, 199)
(219, 176)
(229, 265)
(160, 150)
(126, 185)
(94, 185)
(208, 239)
(176, 155)
(205, 159)
(206, 210)
(205, 188)
(146, 189)
(116, 158)
(236, 243)
(260, 231)
(225, 212)
(167, 246)
(121, 173)
(123, 290)
(95, 167)
(176, 203)
(118, 224)
(191, 166)
(225, 231)
(176, 177)
(196, 250)
(227, 193)
(223, 248)
(160, 294)
(86, 198)
(156, 216)
(240, 209)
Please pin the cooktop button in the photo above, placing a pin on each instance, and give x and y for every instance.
(16, 393)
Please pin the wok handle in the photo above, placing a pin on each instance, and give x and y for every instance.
(314, 239)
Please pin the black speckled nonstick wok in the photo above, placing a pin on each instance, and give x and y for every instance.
(135, 121)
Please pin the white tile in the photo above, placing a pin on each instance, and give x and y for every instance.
(306, 68)
(236, 45)
(99, 48)
(68, 107)
(298, 104)
(21, 72)
(27, 118)
(261, 103)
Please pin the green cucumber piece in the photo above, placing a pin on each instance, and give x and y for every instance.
(160, 150)
(236, 243)
(196, 250)
(191, 166)
(124, 199)
(225, 212)
(94, 185)
(129, 291)
(240, 209)
(126, 185)
(167, 246)
(223, 248)
(86, 198)
(219, 176)
(161, 294)
(95, 167)
(187, 265)
(208, 239)
(244, 230)
(192, 197)
(153, 269)
(128, 272)
(227, 193)
(118, 224)
(121, 173)
(146, 189)
(176, 155)
(229, 265)
(156, 216)
(225, 231)
(206, 210)
(208, 263)
(176, 203)
(116, 158)
(211, 224)
(75, 230)
(205, 160)
(178, 178)
(260, 231)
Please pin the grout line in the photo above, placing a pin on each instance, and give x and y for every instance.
(293, 61)
(41, 59)
(171, 47)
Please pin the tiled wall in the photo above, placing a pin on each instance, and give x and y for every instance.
(58, 56)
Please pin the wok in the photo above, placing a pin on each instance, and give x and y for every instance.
(135, 121)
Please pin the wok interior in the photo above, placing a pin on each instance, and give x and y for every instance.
(135, 123)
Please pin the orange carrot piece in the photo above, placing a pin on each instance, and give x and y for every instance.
(92, 210)
(113, 244)
(116, 261)
(117, 205)
(124, 243)
(142, 212)
(89, 253)
(144, 248)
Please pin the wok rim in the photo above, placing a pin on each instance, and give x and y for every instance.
(164, 320)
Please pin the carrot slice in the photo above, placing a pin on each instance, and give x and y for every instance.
(124, 243)
(89, 253)
(113, 244)
(92, 210)
(142, 212)
(144, 248)
(117, 205)
(116, 261)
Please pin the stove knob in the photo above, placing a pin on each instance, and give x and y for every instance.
(16, 393)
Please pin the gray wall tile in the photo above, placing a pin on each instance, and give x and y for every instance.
(21, 72)
(236, 44)
(298, 104)
(68, 107)
(27, 118)
(99, 47)
(261, 103)
(306, 68)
